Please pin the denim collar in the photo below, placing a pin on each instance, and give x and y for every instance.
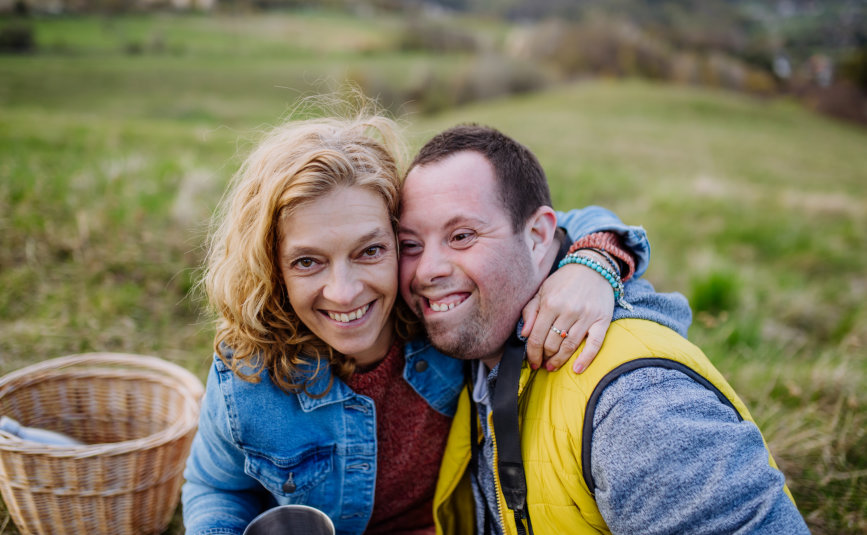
(340, 391)
(317, 384)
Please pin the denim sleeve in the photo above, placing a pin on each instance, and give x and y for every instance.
(218, 496)
(592, 219)
(668, 457)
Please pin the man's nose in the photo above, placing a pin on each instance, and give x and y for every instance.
(344, 285)
(432, 265)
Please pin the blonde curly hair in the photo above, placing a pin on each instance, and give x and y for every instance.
(294, 164)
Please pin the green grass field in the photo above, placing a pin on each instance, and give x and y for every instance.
(117, 138)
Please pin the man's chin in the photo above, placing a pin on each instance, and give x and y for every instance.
(446, 340)
(462, 345)
(449, 348)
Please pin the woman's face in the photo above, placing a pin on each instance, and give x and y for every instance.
(338, 258)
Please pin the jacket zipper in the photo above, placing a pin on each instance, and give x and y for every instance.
(497, 476)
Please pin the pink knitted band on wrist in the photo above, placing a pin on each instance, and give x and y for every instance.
(610, 243)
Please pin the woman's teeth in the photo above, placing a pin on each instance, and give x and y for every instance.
(343, 317)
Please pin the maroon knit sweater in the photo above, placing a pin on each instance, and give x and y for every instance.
(410, 440)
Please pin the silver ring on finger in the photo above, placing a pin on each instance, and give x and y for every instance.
(561, 334)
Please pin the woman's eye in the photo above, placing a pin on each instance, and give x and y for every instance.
(373, 252)
(304, 263)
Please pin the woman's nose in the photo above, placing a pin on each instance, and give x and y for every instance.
(344, 286)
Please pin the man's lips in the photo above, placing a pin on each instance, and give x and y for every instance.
(447, 302)
(350, 316)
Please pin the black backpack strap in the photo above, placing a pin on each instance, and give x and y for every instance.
(589, 413)
(510, 465)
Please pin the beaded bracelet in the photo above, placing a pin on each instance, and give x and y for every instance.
(615, 268)
(612, 278)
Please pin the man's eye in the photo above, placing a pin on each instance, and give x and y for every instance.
(409, 247)
(462, 239)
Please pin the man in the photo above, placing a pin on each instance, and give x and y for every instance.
(664, 444)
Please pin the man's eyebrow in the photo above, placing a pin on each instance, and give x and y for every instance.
(452, 222)
(458, 219)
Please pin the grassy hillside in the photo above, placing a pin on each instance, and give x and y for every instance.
(111, 161)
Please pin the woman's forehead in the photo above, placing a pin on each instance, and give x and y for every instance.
(344, 215)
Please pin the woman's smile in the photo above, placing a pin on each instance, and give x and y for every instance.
(353, 317)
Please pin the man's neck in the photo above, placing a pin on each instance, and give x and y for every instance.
(491, 362)
(558, 248)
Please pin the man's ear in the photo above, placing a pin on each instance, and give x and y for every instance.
(539, 232)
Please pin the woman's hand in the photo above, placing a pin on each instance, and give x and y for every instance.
(579, 303)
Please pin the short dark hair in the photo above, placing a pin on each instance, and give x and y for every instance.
(523, 185)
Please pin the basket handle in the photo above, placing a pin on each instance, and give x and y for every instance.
(184, 376)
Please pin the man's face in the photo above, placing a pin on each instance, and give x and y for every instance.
(462, 268)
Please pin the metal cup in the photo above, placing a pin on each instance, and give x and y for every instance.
(291, 520)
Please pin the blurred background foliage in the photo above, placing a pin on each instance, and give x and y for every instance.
(731, 130)
(815, 51)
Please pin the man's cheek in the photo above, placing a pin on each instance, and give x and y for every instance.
(406, 271)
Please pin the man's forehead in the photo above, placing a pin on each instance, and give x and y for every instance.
(465, 176)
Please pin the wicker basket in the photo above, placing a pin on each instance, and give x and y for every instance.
(136, 416)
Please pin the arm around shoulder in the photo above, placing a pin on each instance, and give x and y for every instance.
(669, 457)
(579, 223)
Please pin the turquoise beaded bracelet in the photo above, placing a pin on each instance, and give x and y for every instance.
(612, 278)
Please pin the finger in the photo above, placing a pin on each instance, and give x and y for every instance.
(538, 336)
(567, 347)
(577, 333)
(595, 337)
(531, 310)
(554, 340)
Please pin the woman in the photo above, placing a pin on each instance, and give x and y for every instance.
(323, 390)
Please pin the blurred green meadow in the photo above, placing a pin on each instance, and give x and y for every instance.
(118, 135)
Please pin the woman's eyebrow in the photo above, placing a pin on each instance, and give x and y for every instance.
(375, 234)
(301, 250)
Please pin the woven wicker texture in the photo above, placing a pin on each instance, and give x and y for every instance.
(137, 416)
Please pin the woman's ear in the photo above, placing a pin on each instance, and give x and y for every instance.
(539, 232)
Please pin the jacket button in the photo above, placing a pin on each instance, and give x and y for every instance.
(421, 366)
(289, 485)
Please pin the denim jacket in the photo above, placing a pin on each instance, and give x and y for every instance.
(258, 447)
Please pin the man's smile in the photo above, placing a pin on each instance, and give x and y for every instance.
(448, 302)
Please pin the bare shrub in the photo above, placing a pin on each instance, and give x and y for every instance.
(597, 46)
(433, 36)
(493, 75)
(842, 99)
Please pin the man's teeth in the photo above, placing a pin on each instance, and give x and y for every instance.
(436, 307)
(343, 317)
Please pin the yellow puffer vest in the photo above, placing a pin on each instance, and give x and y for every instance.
(552, 412)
